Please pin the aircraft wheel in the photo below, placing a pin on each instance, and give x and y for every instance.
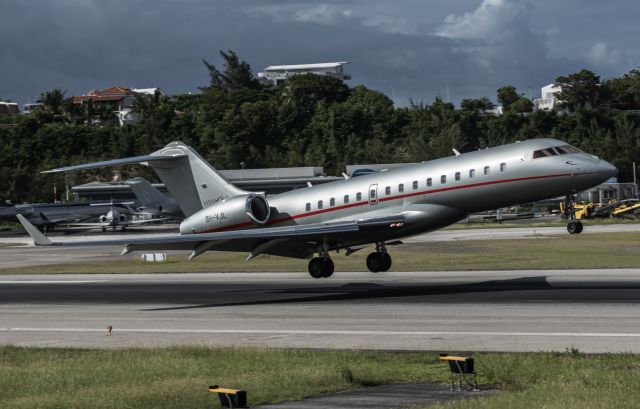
(572, 227)
(375, 262)
(327, 267)
(580, 227)
(104, 229)
(316, 267)
(386, 262)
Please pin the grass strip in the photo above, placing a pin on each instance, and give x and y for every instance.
(178, 377)
(601, 250)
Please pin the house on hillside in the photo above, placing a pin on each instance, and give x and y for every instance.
(548, 100)
(119, 99)
(9, 108)
(279, 74)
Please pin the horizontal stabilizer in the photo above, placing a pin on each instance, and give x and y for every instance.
(38, 238)
(115, 162)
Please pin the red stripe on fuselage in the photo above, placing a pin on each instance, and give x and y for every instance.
(385, 199)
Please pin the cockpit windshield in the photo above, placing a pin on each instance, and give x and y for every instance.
(558, 150)
(544, 152)
(567, 149)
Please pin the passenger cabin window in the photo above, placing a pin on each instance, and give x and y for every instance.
(486, 170)
(401, 187)
(387, 190)
(429, 182)
(319, 204)
(332, 202)
(415, 185)
(503, 167)
(472, 173)
(457, 175)
(308, 207)
(346, 198)
(443, 179)
(358, 196)
(544, 152)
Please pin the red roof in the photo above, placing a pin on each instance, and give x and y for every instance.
(106, 95)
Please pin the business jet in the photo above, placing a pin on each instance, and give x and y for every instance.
(115, 218)
(376, 208)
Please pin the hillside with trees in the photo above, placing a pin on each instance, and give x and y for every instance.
(309, 121)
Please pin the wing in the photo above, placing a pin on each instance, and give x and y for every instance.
(142, 221)
(292, 241)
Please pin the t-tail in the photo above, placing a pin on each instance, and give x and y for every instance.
(190, 179)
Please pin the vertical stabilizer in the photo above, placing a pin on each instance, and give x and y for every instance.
(147, 195)
(190, 179)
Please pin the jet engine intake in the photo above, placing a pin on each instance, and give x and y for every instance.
(103, 219)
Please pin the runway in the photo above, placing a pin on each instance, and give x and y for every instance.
(20, 256)
(592, 310)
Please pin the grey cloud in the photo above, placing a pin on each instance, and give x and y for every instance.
(409, 45)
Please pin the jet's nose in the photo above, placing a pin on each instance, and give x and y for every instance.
(606, 169)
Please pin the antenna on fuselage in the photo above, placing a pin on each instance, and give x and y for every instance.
(456, 152)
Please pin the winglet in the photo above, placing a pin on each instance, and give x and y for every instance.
(38, 238)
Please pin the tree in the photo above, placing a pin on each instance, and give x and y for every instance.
(476, 105)
(507, 95)
(521, 105)
(53, 102)
(236, 75)
(579, 90)
(624, 92)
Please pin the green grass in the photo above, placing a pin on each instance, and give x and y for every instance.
(558, 381)
(178, 377)
(604, 250)
(551, 223)
(10, 226)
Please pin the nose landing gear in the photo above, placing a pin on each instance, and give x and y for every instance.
(574, 226)
(380, 260)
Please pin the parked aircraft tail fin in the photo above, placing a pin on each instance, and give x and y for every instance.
(146, 194)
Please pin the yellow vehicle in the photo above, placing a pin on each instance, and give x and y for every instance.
(619, 208)
(582, 210)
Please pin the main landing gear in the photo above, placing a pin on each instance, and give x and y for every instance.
(380, 260)
(574, 226)
(321, 267)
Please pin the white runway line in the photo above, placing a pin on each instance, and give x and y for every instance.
(51, 281)
(330, 332)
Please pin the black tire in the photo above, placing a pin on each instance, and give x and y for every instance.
(572, 227)
(316, 269)
(580, 227)
(386, 262)
(327, 267)
(374, 262)
(104, 229)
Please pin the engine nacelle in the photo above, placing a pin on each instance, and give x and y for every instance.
(103, 219)
(235, 213)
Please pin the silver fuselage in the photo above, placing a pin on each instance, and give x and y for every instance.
(432, 194)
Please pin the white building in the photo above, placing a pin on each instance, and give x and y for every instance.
(548, 100)
(278, 74)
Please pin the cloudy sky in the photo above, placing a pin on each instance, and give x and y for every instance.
(415, 49)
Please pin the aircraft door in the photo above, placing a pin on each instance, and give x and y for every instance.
(373, 194)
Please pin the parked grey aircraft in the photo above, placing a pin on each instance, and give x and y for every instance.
(380, 207)
(152, 200)
(47, 215)
(115, 218)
